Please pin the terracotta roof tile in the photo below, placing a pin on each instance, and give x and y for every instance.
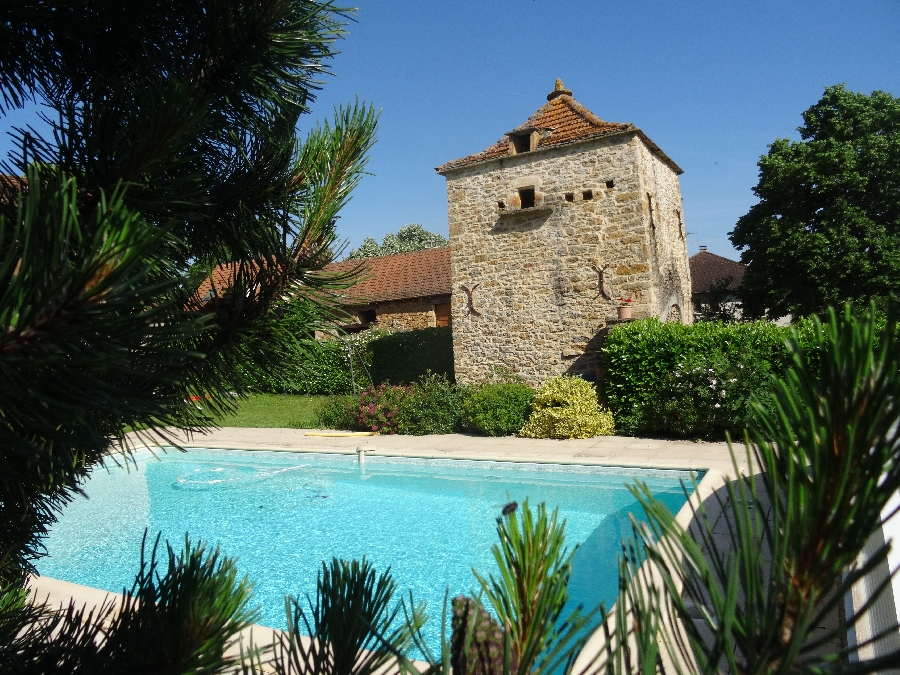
(399, 277)
(561, 120)
(708, 269)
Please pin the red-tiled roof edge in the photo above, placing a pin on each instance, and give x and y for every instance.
(432, 279)
(499, 149)
(654, 148)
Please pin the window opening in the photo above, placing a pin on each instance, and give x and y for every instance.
(570, 196)
(650, 205)
(680, 223)
(526, 197)
(587, 195)
(501, 204)
(521, 143)
(610, 184)
(368, 316)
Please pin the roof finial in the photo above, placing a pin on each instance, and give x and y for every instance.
(559, 90)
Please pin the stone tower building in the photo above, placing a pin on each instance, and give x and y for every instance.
(549, 227)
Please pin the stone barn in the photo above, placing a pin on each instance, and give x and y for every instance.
(549, 228)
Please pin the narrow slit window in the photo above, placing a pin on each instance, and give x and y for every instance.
(570, 196)
(680, 224)
(526, 197)
(587, 195)
(650, 206)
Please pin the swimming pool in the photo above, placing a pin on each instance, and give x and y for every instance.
(282, 513)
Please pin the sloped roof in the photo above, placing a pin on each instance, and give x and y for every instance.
(708, 269)
(561, 120)
(399, 277)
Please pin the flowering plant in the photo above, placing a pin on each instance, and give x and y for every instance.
(624, 302)
(377, 408)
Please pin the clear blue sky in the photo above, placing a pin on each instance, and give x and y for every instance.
(712, 82)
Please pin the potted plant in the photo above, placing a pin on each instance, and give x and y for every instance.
(624, 308)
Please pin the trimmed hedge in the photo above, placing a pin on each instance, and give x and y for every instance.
(402, 358)
(691, 381)
(496, 409)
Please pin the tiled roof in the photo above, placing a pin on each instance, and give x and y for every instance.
(221, 279)
(707, 269)
(561, 120)
(399, 277)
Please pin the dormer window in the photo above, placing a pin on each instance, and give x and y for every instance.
(526, 198)
(521, 143)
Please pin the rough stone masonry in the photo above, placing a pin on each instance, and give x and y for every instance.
(549, 227)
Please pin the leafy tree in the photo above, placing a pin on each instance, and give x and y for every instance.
(409, 238)
(827, 226)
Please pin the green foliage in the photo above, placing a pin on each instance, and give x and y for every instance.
(827, 226)
(159, 161)
(496, 409)
(707, 395)
(656, 375)
(402, 358)
(378, 408)
(826, 465)
(409, 238)
(529, 591)
(356, 630)
(337, 412)
(180, 616)
(567, 407)
(431, 407)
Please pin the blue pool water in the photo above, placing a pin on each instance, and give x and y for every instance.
(282, 514)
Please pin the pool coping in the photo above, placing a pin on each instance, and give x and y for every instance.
(640, 453)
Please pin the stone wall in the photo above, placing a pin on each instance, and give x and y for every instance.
(527, 289)
(671, 287)
(408, 314)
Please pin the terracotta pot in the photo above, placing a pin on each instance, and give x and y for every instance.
(624, 312)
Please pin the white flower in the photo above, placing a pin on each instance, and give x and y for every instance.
(717, 406)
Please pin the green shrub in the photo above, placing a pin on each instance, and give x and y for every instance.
(377, 408)
(566, 407)
(432, 407)
(496, 409)
(402, 358)
(707, 395)
(657, 375)
(337, 412)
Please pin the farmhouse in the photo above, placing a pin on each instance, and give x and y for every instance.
(550, 228)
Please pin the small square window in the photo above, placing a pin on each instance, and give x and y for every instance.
(521, 143)
(587, 195)
(526, 197)
(501, 204)
(570, 196)
(610, 184)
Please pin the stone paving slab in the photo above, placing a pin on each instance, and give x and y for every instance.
(608, 450)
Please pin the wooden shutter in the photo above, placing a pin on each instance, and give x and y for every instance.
(442, 314)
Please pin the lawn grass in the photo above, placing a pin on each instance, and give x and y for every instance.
(275, 410)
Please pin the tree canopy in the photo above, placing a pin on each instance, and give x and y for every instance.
(827, 225)
(412, 237)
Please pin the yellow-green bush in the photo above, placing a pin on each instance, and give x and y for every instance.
(566, 407)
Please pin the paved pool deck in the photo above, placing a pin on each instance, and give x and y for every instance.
(607, 450)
